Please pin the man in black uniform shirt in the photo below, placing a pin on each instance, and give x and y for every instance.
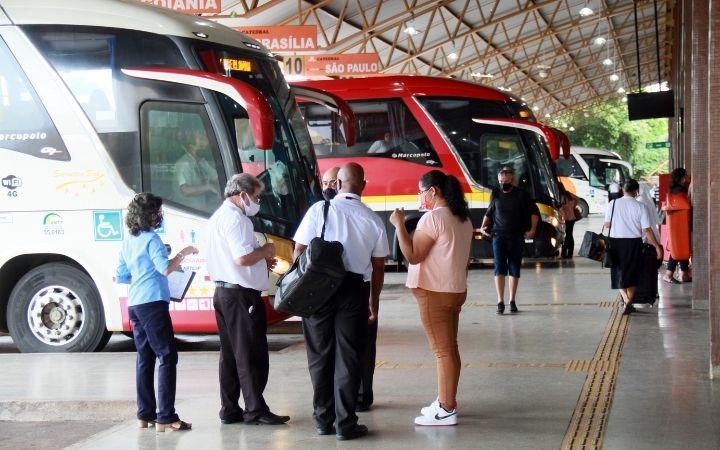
(514, 217)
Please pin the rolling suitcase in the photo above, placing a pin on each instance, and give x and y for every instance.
(647, 288)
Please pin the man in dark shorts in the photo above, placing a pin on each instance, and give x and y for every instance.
(514, 218)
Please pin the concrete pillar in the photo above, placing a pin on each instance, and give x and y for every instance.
(713, 183)
(686, 63)
(697, 130)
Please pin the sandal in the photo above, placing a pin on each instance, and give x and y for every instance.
(671, 280)
(175, 426)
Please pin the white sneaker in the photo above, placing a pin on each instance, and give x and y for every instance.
(437, 417)
(430, 410)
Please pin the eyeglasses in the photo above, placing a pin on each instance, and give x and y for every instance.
(424, 191)
(329, 183)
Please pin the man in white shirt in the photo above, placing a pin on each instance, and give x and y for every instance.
(239, 267)
(336, 335)
(627, 221)
(381, 145)
(197, 179)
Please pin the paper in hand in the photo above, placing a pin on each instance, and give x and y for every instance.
(179, 283)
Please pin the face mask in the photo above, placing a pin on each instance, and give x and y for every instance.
(506, 186)
(329, 193)
(425, 203)
(252, 208)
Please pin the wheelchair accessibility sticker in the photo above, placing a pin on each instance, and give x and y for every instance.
(108, 225)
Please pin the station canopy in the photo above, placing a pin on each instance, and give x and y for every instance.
(555, 54)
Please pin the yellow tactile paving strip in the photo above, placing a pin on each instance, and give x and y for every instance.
(587, 426)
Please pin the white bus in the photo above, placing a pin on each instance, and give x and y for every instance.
(588, 173)
(101, 99)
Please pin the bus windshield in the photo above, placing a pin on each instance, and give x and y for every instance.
(603, 173)
(483, 149)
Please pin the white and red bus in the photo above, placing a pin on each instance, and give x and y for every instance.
(408, 125)
(101, 99)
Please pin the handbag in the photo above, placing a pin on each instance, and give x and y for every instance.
(608, 256)
(596, 246)
(314, 277)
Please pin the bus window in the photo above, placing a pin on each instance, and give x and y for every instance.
(384, 128)
(280, 205)
(497, 149)
(25, 126)
(89, 59)
(570, 168)
(181, 160)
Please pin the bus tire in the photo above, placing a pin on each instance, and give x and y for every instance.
(584, 208)
(55, 308)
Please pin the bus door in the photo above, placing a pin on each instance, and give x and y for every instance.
(195, 313)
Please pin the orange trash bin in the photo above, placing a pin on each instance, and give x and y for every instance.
(678, 209)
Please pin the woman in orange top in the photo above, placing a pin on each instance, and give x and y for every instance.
(438, 254)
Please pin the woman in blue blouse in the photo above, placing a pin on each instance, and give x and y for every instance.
(144, 265)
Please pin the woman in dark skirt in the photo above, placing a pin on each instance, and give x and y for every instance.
(627, 219)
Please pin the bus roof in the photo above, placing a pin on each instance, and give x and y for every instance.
(594, 151)
(392, 85)
(124, 14)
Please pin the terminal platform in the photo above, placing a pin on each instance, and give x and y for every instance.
(568, 371)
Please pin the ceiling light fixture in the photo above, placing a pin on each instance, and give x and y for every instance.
(607, 62)
(586, 12)
(547, 115)
(614, 77)
(621, 90)
(482, 75)
(536, 108)
(453, 56)
(600, 41)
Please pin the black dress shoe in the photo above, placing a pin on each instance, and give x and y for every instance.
(232, 419)
(324, 430)
(268, 419)
(354, 433)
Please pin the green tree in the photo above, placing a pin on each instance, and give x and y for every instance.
(606, 125)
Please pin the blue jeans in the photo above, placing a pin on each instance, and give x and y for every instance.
(507, 253)
(154, 338)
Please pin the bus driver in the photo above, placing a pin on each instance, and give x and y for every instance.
(196, 178)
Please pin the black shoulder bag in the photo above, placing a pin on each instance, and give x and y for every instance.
(608, 256)
(314, 277)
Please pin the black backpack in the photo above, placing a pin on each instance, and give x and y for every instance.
(314, 277)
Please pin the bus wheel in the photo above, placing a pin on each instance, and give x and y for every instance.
(55, 307)
(584, 208)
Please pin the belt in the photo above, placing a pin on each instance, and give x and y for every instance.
(225, 285)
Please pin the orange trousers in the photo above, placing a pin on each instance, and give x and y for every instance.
(440, 314)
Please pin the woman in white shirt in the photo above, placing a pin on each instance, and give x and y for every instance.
(627, 221)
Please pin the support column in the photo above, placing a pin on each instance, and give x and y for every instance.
(713, 208)
(697, 130)
(686, 55)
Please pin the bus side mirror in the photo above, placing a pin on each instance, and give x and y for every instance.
(551, 138)
(332, 102)
(564, 142)
(262, 120)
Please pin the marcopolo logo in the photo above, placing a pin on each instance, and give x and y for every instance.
(11, 183)
(53, 225)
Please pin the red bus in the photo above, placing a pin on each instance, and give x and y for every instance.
(408, 125)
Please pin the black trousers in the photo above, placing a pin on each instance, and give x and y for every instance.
(335, 339)
(367, 367)
(244, 360)
(569, 243)
(673, 263)
(154, 339)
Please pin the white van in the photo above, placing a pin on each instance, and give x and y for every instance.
(589, 172)
(102, 99)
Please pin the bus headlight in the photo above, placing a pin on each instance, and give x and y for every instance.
(550, 219)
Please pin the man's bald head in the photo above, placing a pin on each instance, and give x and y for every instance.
(329, 178)
(351, 178)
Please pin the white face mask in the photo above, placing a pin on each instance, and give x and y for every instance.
(252, 208)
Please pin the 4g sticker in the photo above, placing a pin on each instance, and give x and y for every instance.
(12, 183)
